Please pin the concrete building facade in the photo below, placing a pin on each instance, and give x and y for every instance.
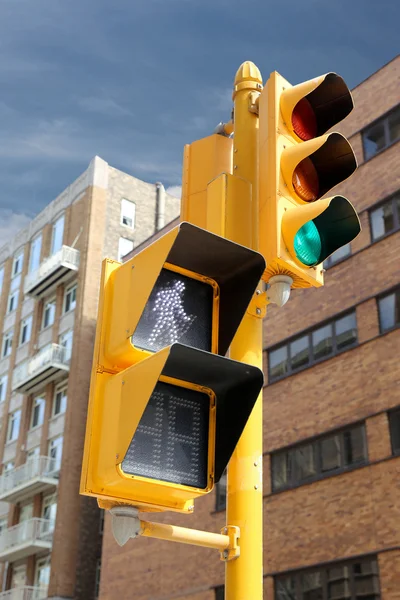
(331, 414)
(50, 536)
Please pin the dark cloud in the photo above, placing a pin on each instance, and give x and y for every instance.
(134, 81)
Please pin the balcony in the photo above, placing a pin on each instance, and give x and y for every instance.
(51, 272)
(39, 474)
(48, 364)
(26, 539)
(26, 592)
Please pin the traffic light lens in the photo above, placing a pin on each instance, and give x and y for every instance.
(308, 245)
(305, 180)
(304, 121)
(179, 309)
(171, 440)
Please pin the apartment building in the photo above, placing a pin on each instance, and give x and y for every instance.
(331, 414)
(50, 537)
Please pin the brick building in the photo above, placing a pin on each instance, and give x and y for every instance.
(331, 414)
(50, 537)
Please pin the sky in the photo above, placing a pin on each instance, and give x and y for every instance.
(134, 80)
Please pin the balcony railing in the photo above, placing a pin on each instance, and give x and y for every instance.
(26, 592)
(37, 475)
(45, 366)
(25, 539)
(51, 272)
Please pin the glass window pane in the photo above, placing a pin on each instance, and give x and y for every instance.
(397, 209)
(394, 125)
(312, 586)
(394, 419)
(58, 233)
(124, 247)
(346, 331)
(387, 311)
(330, 453)
(34, 259)
(366, 585)
(304, 462)
(281, 470)
(338, 255)
(339, 583)
(382, 220)
(278, 362)
(285, 589)
(374, 140)
(299, 352)
(354, 446)
(322, 341)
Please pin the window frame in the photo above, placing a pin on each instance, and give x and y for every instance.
(7, 342)
(10, 423)
(384, 119)
(3, 387)
(120, 257)
(323, 570)
(57, 220)
(17, 256)
(11, 297)
(40, 413)
(46, 302)
(396, 216)
(70, 291)
(59, 388)
(27, 320)
(395, 290)
(331, 262)
(315, 442)
(394, 414)
(33, 243)
(308, 333)
(1, 278)
(130, 227)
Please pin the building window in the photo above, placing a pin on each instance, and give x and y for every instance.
(219, 592)
(356, 580)
(3, 387)
(394, 422)
(17, 264)
(97, 580)
(3, 524)
(220, 498)
(8, 466)
(337, 256)
(12, 301)
(34, 257)
(128, 210)
(14, 422)
(33, 453)
(60, 399)
(38, 406)
(389, 310)
(7, 343)
(1, 279)
(49, 512)
(26, 330)
(55, 453)
(66, 342)
(332, 453)
(70, 298)
(101, 520)
(57, 236)
(385, 219)
(124, 247)
(42, 573)
(381, 134)
(49, 313)
(318, 344)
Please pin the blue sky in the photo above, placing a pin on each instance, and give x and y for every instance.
(134, 80)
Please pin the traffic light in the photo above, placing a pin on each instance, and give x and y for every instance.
(298, 164)
(166, 408)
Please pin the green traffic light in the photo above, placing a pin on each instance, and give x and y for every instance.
(308, 245)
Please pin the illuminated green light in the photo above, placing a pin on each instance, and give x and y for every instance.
(307, 244)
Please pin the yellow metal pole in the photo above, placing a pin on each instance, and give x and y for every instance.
(244, 576)
(173, 533)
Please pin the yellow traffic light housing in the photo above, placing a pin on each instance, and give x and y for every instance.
(299, 163)
(165, 410)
